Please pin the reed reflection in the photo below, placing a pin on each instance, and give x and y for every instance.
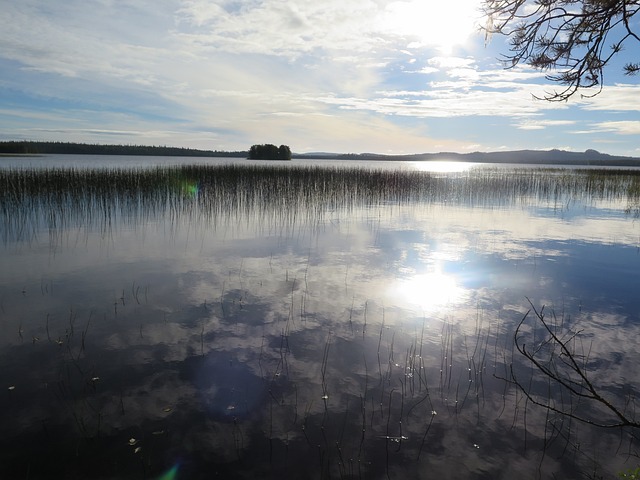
(54, 199)
(303, 322)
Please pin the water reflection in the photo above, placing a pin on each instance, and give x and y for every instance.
(429, 292)
(444, 166)
(323, 322)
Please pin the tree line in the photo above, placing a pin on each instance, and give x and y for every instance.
(34, 147)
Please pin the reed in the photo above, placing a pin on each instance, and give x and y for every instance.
(277, 195)
(377, 421)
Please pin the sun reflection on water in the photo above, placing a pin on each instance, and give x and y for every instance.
(428, 291)
(443, 166)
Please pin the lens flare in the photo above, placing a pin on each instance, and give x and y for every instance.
(171, 474)
(190, 189)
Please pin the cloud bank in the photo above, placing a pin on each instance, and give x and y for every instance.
(226, 74)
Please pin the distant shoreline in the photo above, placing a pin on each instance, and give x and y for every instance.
(532, 157)
(13, 155)
(70, 148)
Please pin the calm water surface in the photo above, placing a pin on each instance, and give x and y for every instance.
(192, 323)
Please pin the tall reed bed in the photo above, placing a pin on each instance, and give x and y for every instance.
(55, 198)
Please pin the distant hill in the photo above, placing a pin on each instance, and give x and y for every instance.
(543, 157)
(551, 157)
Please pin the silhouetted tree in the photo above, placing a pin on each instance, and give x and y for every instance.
(269, 151)
(573, 39)
(284, 152)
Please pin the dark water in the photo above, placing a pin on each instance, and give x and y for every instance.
(348, 321)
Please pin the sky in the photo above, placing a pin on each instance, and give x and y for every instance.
(356, 76)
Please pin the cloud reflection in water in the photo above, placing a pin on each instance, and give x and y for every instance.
(242, 311)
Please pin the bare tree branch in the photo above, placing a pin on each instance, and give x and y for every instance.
(557, 360)
(573, 40)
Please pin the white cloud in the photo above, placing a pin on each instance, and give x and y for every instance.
(625, 127)
(451, 62)
(73, 39)
(279, 28)
(449, 100)
(619, 97)
(542, 124)
(465, 91)
(167, 66)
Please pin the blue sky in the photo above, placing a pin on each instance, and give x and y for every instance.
(332, 75)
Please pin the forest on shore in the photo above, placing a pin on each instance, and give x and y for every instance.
(41, 148)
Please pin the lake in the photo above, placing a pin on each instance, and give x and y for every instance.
(171, 318)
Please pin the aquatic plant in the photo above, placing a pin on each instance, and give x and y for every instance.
(251, 374)
(57, 198)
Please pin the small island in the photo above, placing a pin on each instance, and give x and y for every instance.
(269, 152)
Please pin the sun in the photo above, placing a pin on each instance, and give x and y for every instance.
(441, 25)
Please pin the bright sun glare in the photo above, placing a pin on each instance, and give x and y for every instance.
(443, 25)
(437, 166)
(428, 291)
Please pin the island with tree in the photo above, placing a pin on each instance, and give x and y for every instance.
(269, 151)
